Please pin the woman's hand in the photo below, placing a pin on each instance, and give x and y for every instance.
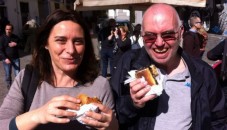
(100, 121)
(55, 110)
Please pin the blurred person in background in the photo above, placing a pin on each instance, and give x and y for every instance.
(107, 39)
(203, 39)
(191, 39)
(123, 44)
(219, 54)
(136, 38)
(9, 51)
(30, 31)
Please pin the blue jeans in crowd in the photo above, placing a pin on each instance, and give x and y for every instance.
(15, 64)
(106, 57)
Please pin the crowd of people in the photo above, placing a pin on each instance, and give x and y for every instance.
(64, 66)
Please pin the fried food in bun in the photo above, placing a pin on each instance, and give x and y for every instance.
(149, 74)
(87, 100)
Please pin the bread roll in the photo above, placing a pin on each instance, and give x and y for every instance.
(87, 100)
(149, 74)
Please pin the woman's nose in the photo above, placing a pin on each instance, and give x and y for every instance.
(70, 48)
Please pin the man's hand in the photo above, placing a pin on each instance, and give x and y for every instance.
(7, 61)
(138, 90)
(12, 44)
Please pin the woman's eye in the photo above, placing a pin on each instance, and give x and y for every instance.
(60, 41)
(79, 41)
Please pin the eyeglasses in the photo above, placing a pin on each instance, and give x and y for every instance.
(150, 37)
(198, 22)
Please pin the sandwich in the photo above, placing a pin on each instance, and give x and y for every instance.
(149, 74)
(87, 100)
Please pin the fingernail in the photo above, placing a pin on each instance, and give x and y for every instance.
(145, 82)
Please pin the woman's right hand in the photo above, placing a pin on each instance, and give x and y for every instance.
(53, 111)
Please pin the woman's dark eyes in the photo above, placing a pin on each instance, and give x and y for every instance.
(76, 41)
(79, 40)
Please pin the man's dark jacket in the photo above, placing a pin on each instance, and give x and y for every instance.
(207, 99)
(5, 50)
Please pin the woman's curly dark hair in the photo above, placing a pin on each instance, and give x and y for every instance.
(88, 69)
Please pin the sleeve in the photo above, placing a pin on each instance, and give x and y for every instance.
(14, 96)
(217, 103)
(12, 124)
(124, 106)
(18, 41)
(2, 49)
(107, 95)
(217, 52)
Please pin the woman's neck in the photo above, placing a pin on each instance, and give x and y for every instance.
(62, 79)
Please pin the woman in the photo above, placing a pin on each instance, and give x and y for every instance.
(203, 37)
(123, 43)
(61, 55)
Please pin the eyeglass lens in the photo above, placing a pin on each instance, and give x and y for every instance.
(166, 36)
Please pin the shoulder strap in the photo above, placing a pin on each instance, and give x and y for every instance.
(224, 63)
(29, 85)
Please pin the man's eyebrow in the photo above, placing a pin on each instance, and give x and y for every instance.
(59, 37)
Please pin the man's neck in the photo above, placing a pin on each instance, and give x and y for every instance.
(175, 67)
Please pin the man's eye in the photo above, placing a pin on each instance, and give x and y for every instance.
(168, 36)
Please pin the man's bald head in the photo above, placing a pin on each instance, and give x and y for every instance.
(161, 11)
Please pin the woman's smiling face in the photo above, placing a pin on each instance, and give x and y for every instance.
(66, 46)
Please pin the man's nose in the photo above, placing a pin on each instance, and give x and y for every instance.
(159, 41)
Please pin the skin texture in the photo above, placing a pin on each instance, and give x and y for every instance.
(157, 19)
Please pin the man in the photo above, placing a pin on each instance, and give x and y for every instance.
(106, 37)
(9, 50)
(192, 40)
(191, 99)
(219, 52)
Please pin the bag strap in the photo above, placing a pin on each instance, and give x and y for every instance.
(224, 63)
(29, 85)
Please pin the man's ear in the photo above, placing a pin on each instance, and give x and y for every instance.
(181, 31)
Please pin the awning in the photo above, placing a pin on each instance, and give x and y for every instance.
(113, 4)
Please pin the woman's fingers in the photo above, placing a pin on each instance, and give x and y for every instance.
(99, 120)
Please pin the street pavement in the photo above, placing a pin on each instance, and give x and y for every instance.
(25, 59)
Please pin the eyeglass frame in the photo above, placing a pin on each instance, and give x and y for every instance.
(199, 22)
(161, 35)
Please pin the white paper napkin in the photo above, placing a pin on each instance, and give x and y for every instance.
(81, 113)
(155, 89)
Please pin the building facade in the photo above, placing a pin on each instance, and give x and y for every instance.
(18, 12)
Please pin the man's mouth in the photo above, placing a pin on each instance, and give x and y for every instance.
(160, 50)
